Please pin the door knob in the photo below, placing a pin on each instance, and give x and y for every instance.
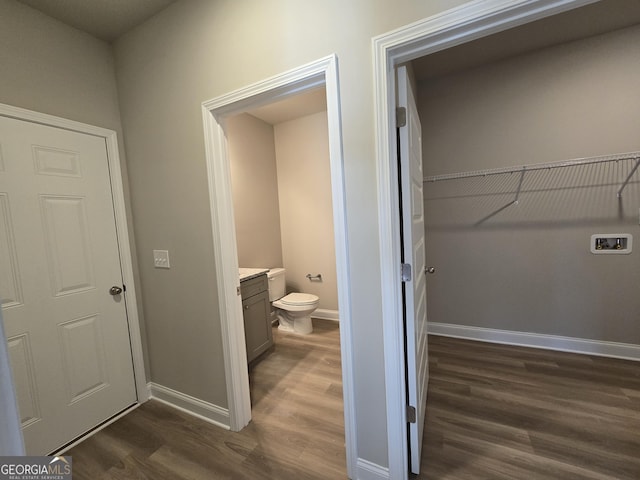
(430, 270)
(115, 290)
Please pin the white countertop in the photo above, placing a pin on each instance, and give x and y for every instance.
(247, 273)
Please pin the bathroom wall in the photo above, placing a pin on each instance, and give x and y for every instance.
(306, 216)
(528, 267)
(282, 200)
(252, 158)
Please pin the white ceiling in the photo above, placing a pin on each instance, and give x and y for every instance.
(594, 19)
(296, 106)
(104, 19)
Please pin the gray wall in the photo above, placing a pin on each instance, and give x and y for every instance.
(254, 181)
(51, 68)
(306, 208)
(197, 50)
(528, 268)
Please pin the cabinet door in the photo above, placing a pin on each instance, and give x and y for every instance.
(257, 327)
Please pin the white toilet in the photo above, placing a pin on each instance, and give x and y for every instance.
(293, 310)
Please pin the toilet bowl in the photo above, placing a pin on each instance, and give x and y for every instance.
(293, 310)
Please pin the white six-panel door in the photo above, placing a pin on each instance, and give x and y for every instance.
(410, 142)
(67, 335)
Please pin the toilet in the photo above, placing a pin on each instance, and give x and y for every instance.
(293, 310)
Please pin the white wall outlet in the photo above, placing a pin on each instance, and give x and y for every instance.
(161, 259)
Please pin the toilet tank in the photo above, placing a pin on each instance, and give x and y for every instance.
(277, 284)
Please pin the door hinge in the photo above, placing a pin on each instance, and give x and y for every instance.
(238, 290)
(411, 414)
(401, 117)
(406, 272)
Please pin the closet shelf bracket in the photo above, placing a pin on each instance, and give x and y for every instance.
(522, 173)
(633, 170)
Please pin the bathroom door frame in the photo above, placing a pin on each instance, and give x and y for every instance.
(472, 20)
(323, 72)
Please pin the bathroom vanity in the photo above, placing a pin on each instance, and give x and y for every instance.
(254, 289)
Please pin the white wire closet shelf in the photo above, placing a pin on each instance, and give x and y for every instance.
(523, 169)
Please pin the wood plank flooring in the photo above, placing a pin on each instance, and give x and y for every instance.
(297, 430)
(501, 412)
(494, 412)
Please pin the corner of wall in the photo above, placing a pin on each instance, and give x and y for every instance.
(193, 406)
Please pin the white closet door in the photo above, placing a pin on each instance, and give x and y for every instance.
(67, 334)
(410, 142)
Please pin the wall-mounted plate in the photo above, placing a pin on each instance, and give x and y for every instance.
(611, 243)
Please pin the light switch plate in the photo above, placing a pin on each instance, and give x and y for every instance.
(161, 259)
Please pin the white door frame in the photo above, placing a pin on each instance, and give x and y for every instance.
(124, 247)
(468, 22)
(313, 75)
(11, 441)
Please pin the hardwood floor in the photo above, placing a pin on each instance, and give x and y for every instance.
(494, 412)
(297, 431)
(502, 412)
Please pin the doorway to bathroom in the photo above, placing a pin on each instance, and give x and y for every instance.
(219, 115)
(281, 187)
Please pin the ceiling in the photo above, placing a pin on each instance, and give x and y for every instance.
(594, 19)
(297, 106)
(104, 19)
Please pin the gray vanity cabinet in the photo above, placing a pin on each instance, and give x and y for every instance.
(256, 309)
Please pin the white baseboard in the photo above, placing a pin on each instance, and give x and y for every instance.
(367, 470)
(193, 406)
(325, 314)
(625, 351)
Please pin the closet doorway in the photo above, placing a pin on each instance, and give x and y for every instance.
(434, 35)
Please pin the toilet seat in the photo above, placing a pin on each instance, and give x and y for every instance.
(295, 299)
(294, 312)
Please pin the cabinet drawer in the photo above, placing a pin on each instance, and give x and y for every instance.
(253, 286)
